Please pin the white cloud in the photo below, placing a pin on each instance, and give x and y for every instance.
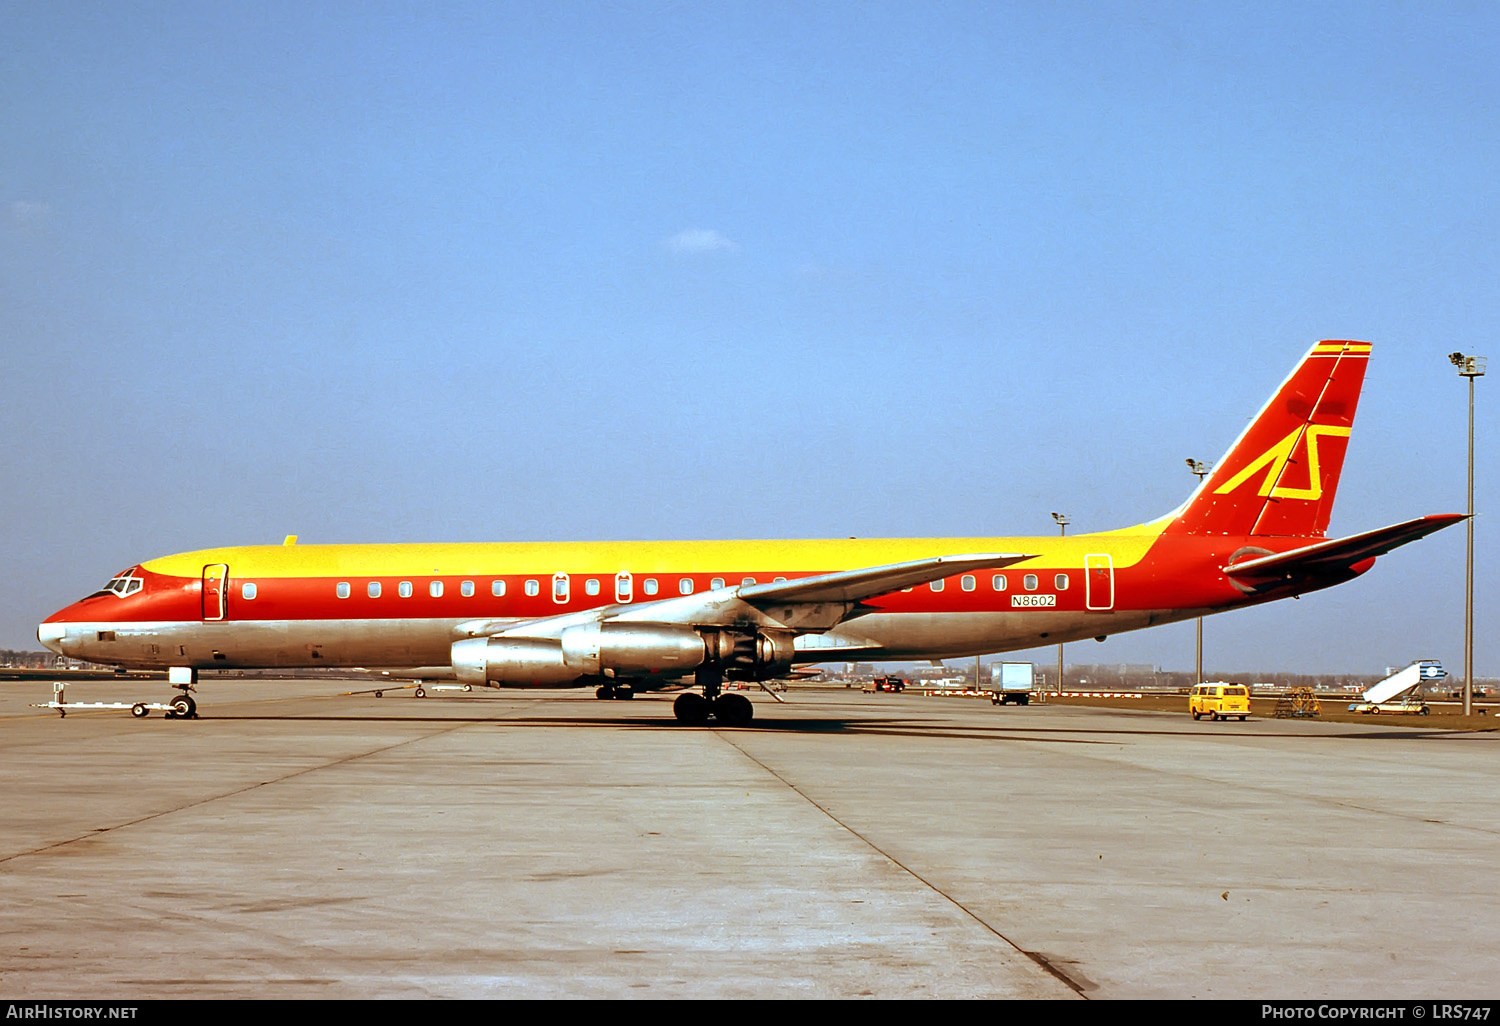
(700, 240)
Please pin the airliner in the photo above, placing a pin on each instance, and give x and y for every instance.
(628, 617)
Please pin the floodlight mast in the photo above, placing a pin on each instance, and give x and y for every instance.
(1200, 469)
(1470, 367)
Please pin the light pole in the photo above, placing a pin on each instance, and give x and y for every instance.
(1062, 530)
(1199, 468)
(1470, 367)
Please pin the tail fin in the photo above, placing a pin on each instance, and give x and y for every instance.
(1280, 475)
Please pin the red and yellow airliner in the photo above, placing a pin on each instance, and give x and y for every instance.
(629, 616)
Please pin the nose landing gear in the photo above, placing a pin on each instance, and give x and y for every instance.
(181, 708)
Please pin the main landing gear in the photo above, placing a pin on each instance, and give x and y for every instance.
(607, 691)
(729, 710)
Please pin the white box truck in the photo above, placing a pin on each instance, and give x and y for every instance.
(1011, 682)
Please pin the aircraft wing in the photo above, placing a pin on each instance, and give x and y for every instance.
(806, 604)
(1342, 553)
(857, 585)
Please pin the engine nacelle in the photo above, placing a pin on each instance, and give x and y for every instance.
(617, 649)
(758, 656)
(518, 662)
(633, 649)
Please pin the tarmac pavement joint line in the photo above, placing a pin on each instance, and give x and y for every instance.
(97, 831)
(1040, 959)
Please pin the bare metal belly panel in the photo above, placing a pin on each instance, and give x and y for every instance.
(263, 643)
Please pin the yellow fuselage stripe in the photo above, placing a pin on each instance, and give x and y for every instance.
(1127, 547)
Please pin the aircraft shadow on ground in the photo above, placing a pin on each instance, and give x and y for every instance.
(832, 726)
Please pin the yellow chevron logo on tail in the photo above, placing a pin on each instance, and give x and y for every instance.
(1275, 460)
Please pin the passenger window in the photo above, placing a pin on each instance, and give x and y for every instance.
(342, 591)
(747, 580)
(967, 582)
(780, 580)
(497, 589)
(533, 588)
(716, 583)
(685, 586)
(937, 585)
(404, 589)
(591, 586)
(466, 589)
(435, 589)
(373, 589)
(247, 590)
(650, 587)
(998, 582)
(1029, 581)
(1061, 581)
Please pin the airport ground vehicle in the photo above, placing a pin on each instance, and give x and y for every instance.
(1011, 682)
(1219, 701)
(1401, 692)
(623, 617)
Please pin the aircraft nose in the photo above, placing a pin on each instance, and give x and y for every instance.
(51, 635)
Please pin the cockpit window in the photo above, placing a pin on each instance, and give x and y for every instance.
(122, 584)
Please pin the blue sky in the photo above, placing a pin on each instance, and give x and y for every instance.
(409, 272)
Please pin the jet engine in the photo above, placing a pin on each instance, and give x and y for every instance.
(633, 649)
(619, 649)
(514, 661)
(750, 656)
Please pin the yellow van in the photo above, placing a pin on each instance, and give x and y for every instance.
(1219, 701)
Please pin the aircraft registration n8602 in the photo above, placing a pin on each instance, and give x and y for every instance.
(624, 617)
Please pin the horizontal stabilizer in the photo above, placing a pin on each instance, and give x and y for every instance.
(1330, 557)
(856, 585)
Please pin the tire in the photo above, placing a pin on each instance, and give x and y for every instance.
(421, 692)
(182, 706)
(691, 709)
(139, 709)
(733, 710)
